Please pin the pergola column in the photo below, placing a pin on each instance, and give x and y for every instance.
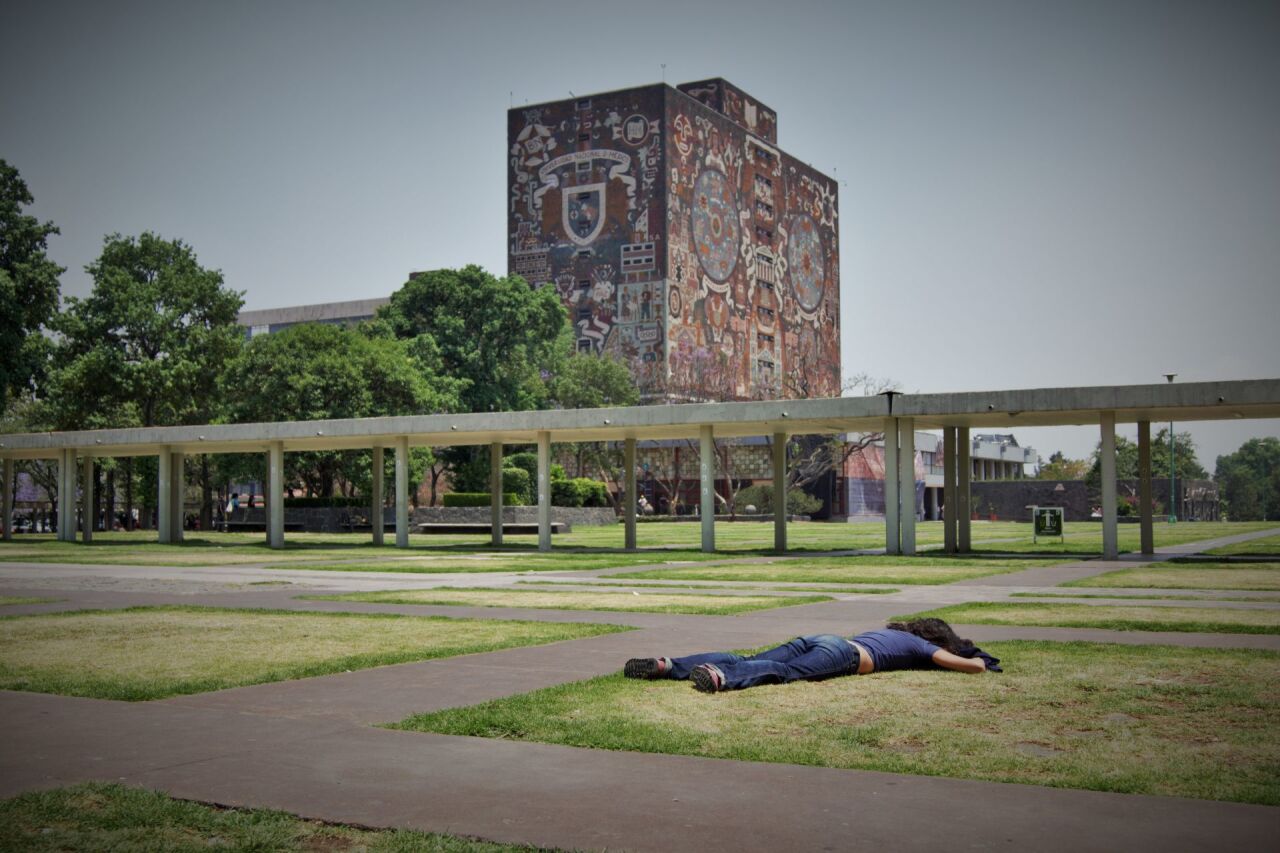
(67, 524)
(780, 491)
(907, 483)
(1144, 488)
(949, 489)
(495, 492)
(6, 500)
(177, 492)
(544, 491)
(275, 495)
(629, 487)
(707, 475)
(89, 512)
(164, 489)
(402, 491)
(377, 497)
(1107, 455)
(892, 542)
(964, 540)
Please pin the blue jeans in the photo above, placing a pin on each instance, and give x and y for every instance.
(810, 658)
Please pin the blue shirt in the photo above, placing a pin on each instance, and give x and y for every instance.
(896, 650)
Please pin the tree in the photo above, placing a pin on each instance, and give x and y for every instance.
(146, 347)
(591, 382)
(1059, 467)
(28, 286)
(503, 336)
(320, 372)
(1250, 480)
(1188, 467)
(149, 342)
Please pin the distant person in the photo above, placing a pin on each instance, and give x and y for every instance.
(921, 644)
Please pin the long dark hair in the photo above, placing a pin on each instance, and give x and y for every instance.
(934, 631)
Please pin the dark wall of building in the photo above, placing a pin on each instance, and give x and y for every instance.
(696, 252)
(1009, 499)
(586, 215)
(727, 99)
(753, 289)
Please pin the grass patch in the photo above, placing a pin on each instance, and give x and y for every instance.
(1251, 576)
(1085, 537)
(152, 652)
(1267, 546)
(1263, 598)
(212, 548)
(1213, 620)
(871, 590)
(1135, 719)
(7, 600)
(98, 816)
(847, 570)
(511, 562)
(576, 600)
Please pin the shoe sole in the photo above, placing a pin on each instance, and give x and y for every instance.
(641, 668)
(704, 681)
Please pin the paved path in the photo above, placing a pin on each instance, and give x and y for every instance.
(312, 746)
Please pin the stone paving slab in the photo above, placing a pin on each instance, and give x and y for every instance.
(580, 798)
(306, 746)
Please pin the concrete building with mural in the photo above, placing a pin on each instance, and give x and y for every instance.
(681, 239)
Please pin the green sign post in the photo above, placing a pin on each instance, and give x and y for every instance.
(1048, 521)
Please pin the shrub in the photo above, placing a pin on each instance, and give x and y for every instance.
(477, 499)
(335, 500)
(516, 481)
(580, 491)
(799, 502)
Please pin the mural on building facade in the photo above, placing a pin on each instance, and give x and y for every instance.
(698, 253)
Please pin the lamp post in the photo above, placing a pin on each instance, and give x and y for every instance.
(1173, 501)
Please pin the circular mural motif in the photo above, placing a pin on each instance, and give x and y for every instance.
(715, 224)
(804, 258)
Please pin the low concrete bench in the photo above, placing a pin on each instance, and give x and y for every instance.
(512, 527)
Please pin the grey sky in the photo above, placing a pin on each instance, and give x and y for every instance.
(1032, 194)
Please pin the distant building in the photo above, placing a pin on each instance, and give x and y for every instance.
(681, 239)
(270, 320)
(859, 490)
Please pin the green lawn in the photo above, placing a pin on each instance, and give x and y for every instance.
(647, 602)
(931, 569)
(1268, 546)
(1146, 597)
(1213, 620)
(1250, 576)
(99, 816)
(1085, 537)
(878, 590)
(152, 652)
(211, 549)
(1138, 719)
(8, 600)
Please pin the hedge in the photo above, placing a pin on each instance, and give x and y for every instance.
(516, 481)
(477, 499)
(335, 501)
(580, 491)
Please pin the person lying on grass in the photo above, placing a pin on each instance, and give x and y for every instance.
(922, 644)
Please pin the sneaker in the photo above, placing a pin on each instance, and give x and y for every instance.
(649, 668)
(707, 678)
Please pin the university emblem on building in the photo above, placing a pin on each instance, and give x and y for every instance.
(585, 179)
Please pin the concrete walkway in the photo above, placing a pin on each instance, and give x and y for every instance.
(312, 747)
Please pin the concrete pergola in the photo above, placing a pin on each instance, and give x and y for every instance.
(898, 416)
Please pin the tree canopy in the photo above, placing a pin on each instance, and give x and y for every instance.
(1059, 467)
(1250, 480)
(28, 286)
(586, 381)
(1188, 467)
(503, 336)
(147, 345)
